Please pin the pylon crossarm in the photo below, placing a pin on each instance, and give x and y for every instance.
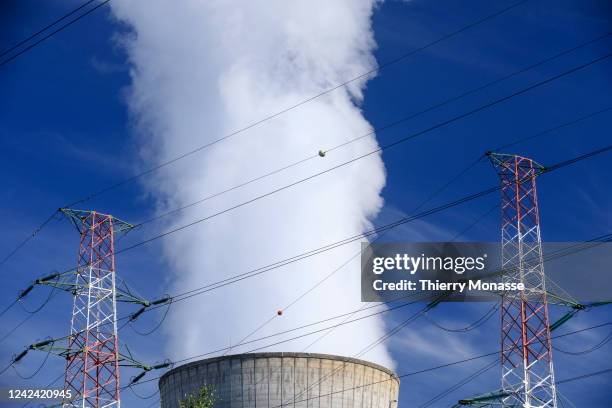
(50, 346)
(127, 297)
(47, 346)
(500, 161)
(146, 369)
(78, 216)
(555, 299)
(65, 282)
(490, 399)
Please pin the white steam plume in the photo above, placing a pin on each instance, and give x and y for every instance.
(202, 69)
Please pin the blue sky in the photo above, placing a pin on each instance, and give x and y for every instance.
(65, 132)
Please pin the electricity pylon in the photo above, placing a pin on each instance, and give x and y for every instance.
(92, 369)
(527, 366)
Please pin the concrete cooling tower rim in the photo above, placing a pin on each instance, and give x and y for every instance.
(254, 356)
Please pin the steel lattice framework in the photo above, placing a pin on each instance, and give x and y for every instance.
(92, 372)
(526, 357)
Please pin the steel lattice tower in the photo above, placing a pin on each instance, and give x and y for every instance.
(526, 357)
(92, 368)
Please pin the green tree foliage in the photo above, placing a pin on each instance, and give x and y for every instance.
(202, 398)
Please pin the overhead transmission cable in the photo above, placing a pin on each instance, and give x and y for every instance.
(368, 348)
(49, 385)
(393, 124)
(35, 372)
(407, 219)
(556, 325)
(417, 372)
(402, 120)
(431, 196)
(296, 329)
(236, 278)
(428, 199)
(45, 28)
(583, 376)
(597, 346)
(216, 285)
(368, 154)
(459, 384)
(381, 128)
(442, 188)
(479, 322)
(316, 331)
(468, 360)
(403, 220)
(476, 221)
(489, 398)
(337, 269)
(49, 35)
(381, 66)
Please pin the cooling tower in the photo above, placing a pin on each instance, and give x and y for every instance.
(292, 380)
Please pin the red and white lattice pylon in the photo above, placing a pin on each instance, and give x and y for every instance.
(526, 357)
(92, 367)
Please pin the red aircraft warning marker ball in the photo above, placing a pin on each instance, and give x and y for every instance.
(279, 312)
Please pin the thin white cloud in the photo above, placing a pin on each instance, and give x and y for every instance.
(431, 344)
(106, 67)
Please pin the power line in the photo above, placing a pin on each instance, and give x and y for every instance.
(582, 377)
(553, 256)
(474, 375)
(375, 151)
(237, 278)
(459, 384)
(229, 280)
(365, 350)
(28, 238)
(368, 348)
(392, 226)
(45, 28)
(318, 95)
(52, 383)
(304, 326)
(418, 207)
(8, 307)
(286, 167)
(320, 282)
(143, 397)
(577, 378)
(418, 372)
(479, 372)
(52, 33)
(597, 346)
(479, 322)
(476, 221)
(358, 319)
(304, 255)
(271, 116)
(35, 373)
(398, 122)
